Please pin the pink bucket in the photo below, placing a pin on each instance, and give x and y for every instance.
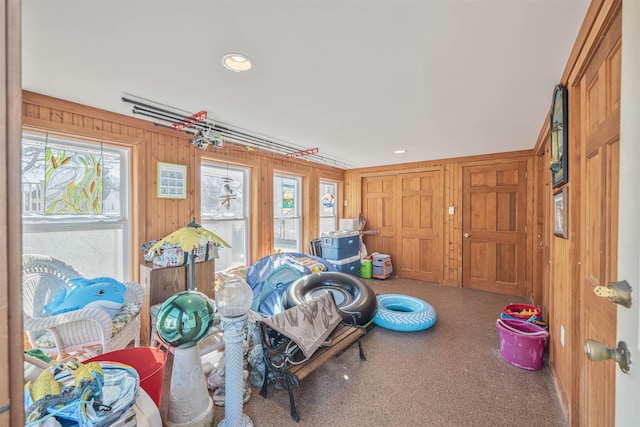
(522, 343)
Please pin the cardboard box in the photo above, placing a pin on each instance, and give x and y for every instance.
(349, 224)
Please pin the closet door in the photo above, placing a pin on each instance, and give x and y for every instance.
(493, 227)
(406, 210)
(378, 209)
(420, 232)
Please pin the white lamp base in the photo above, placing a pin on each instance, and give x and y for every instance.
(189, 400)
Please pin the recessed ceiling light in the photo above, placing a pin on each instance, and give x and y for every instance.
(400, 151)
(237, 62)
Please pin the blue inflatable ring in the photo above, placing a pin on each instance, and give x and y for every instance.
(404, 313)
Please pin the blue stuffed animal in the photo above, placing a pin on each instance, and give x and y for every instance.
(102, 292)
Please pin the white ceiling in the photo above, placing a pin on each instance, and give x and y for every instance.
(357, 79)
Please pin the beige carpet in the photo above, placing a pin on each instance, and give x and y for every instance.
(449, 375)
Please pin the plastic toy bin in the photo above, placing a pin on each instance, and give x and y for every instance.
(149, 362)
(522, 343)
(366, 269)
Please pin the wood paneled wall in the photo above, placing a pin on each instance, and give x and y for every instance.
(559, 269)
(262, 166)
(452, 196)
(154, 218)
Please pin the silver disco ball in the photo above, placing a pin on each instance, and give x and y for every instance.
(184, 319)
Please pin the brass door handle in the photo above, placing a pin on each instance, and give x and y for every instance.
(466, 235)
(616, 292)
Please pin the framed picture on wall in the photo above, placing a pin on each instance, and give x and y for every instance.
(559, 131)
(560, 213)
(172, 181)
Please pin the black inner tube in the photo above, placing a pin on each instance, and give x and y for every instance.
(355, 299)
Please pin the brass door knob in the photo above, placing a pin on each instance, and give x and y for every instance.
(466, 235)
(598, 352)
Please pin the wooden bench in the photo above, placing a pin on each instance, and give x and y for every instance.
(285, 372)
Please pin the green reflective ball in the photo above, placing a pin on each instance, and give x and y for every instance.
(184, 319)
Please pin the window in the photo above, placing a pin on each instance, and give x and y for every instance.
(225, 210)
(328, 196)
(286, 213)
(75, 204)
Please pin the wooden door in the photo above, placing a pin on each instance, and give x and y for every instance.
(420, 237)
(493, 227)
(599, 92)
(378, 210)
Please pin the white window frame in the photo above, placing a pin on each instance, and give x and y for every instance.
(41, 223)
(334, 215)
(221, 169)
(279, 220)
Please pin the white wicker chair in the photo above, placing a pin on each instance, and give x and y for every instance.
(79, 330)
